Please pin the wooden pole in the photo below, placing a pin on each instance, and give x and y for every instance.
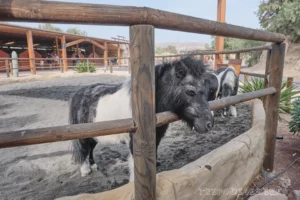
(79, 131)
(143, 110)
(94, 51)
(64, 52)
(272, 103)
(119, 55)
(220, 39)
(31, 52)
(290, 81)
(129, 66)
(50, 12)
(7, 68)
(56, 46)
(105, 55)
(267, 75)
(237, 56)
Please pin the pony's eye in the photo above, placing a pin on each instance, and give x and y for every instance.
(190, 92)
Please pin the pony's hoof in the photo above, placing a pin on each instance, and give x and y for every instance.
(94, 168)
(85, 174)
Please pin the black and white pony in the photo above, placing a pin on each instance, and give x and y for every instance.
(212, 86)
(179, 88)
(228, 83)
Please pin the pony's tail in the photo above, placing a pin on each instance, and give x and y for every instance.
(82, 148)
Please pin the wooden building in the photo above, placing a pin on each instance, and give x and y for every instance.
(38, 43)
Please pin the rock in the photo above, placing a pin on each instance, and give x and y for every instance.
(284, 182)
(297, 194)
(269, 195)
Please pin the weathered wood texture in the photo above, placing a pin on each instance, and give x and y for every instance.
(143, 110)
(85, 40)
(260, 48)
(64, 53)
(220, 39)
(272, 103)
(266, 75)
(78, 131)
(30, 52)
(105, 55)
(252, 74)
(55, 12)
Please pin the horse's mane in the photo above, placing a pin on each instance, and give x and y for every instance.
(195, 67)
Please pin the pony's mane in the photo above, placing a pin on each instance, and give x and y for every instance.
(195, 67)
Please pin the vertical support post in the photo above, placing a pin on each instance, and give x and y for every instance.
(7, 67)
(267, 75)
(290, 81)
(105, 55)
(246, 78)
(202, 57)
(30, 52)
(237, 56)
(143, 110)
(119, 55)
(111, 67)
(272, 104)
(56, 46)
(77, 49)
(220, 39)
(129, 66)
(60, 66)
(64, 52)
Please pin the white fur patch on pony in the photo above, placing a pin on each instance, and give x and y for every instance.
(94, 167)
(131, 167)
(112, 107)
(233, 111)
(85, 168)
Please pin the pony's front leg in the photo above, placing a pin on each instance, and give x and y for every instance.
(85, 168)
(233, 111)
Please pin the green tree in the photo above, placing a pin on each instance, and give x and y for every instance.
(76, 31)
(282, 16)
(50, 27)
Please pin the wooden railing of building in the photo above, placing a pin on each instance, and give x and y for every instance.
(143, 20)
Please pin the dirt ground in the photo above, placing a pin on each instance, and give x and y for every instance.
(287, 150)
(46, 171)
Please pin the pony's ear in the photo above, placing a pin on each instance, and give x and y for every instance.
(180, 70)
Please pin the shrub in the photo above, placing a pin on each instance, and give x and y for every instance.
(294, 124)
(287, 93)
(85, 66)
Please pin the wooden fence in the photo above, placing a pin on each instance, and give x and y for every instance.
(142, 22)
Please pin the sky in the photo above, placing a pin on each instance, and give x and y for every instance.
(238, 12)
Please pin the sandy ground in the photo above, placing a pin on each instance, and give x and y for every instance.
(46, 171)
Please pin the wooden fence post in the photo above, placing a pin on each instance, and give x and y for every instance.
(290, 81)
(7, 68)
(64, 53)
(267, 75)
(276, 64)
(143, 110)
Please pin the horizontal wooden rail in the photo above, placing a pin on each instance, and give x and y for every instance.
(77, 131)
(62, 12)
(259, 48)
(253, 74)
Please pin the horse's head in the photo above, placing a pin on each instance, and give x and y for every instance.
(183, 87)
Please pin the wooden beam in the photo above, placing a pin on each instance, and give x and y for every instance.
(93, 51)
(75, 42)
(97, 44)
(272, 104)
(56, 45)
(48, 11)
(64, 53)
(31, 52)
(267, 75)
(143, 109)
(220, 39)
(105, 55)
(119, 55)
(79, 131)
